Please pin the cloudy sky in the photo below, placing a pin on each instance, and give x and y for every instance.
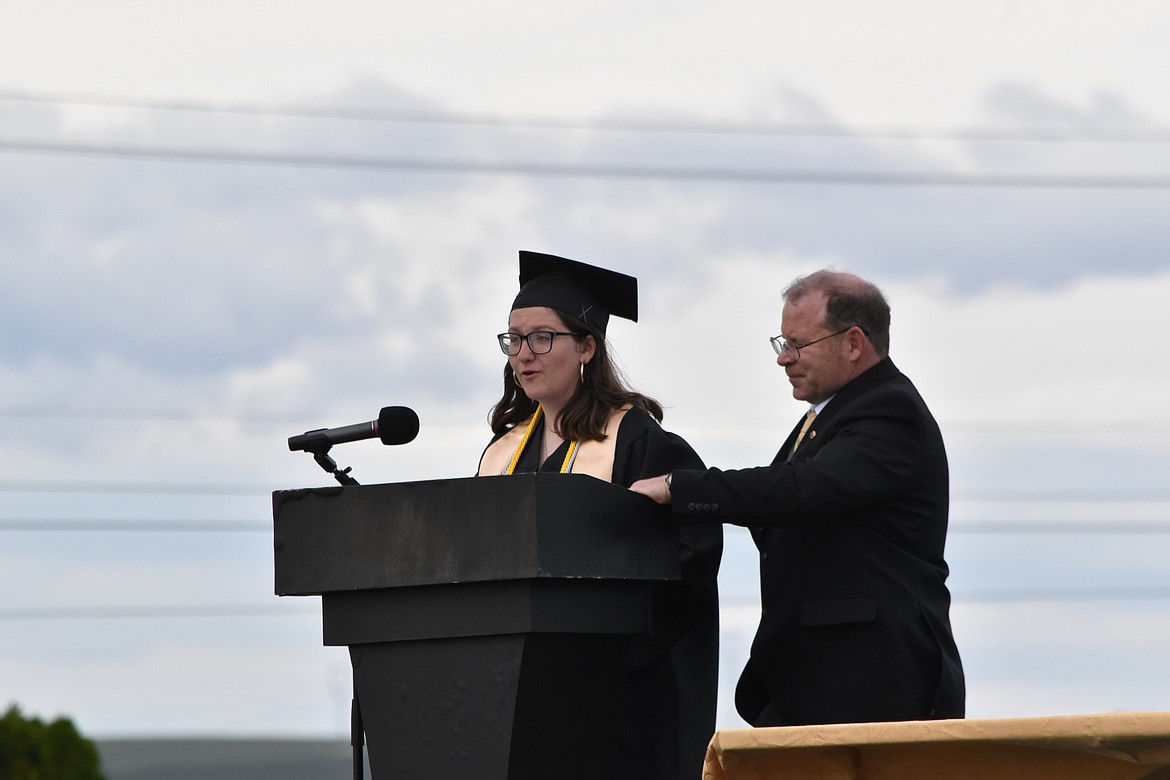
(222, 224)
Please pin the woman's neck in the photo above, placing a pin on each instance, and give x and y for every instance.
(551, 415)
(551, 437)
(548, 444)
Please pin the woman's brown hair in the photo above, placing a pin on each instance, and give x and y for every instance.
(602, 390)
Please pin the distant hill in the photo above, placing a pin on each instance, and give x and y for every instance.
(224, 759)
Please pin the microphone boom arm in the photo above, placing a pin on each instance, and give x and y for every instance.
(320, 451)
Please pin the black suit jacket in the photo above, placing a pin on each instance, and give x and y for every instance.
(855, 624)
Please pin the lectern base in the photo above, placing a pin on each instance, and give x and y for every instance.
(505, 707)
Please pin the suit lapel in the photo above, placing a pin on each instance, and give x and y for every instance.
(882, 372)
(879, 374)
(786, 447)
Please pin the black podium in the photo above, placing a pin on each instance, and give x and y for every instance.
(487, 619)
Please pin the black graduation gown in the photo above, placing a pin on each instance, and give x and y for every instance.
(672, 676)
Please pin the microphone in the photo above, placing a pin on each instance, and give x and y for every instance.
(395, 425)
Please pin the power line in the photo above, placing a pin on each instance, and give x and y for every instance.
(675, 125)
(557, 170)
(1062, 495)
(967, 527)
(1060, 527)
(137, 526)
(151, 415)
(146, 488)
(975, 495)
(1063, 428)
(301, 607)
(1047, 595)
(1014, 596)
(997, 427)
(162, 612)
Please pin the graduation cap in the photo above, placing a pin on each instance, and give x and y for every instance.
(583, 291)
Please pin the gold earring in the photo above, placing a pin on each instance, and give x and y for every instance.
(582, 372)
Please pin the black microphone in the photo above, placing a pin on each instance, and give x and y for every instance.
(395, 425)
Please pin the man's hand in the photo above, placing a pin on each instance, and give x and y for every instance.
(654, 487)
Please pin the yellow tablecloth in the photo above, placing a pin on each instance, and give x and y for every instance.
(1112, 746)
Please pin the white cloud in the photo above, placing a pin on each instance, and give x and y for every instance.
(893, 62)
(184, 319)
(1077, 354)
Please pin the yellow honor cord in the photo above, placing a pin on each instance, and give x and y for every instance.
(572, 453)
(524, 443)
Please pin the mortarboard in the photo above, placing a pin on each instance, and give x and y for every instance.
(589, 293)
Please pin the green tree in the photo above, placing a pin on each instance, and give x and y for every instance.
(33, 750)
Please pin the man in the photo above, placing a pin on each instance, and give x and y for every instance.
(850, 520)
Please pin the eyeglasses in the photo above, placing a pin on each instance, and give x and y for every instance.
(784, 347)
(539, 341)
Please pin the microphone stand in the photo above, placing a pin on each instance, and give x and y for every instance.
(357, 738)
(321, 455)
(320, 450)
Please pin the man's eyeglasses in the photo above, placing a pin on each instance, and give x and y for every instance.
(785, 347)
(539, 341)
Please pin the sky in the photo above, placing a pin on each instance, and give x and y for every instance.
(223, 224)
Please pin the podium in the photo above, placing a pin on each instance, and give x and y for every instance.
(487, 619)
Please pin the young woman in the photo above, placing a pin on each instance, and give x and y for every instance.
(565, 408)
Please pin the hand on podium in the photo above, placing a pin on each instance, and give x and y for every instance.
(655, 488)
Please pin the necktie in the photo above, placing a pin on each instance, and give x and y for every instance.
(808, 421)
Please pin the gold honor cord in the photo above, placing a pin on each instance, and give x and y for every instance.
(570, 456)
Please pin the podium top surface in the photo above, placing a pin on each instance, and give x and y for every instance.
(467, 530)
(1119, 745)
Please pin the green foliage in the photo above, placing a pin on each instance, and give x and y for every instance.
(33, 750)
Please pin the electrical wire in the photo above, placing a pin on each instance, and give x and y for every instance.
(162, 612)
(561, 170)
(630, 125)
(553, 170)
(135, 526)
(146, 488)
(1110, 527)
(300, 608)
